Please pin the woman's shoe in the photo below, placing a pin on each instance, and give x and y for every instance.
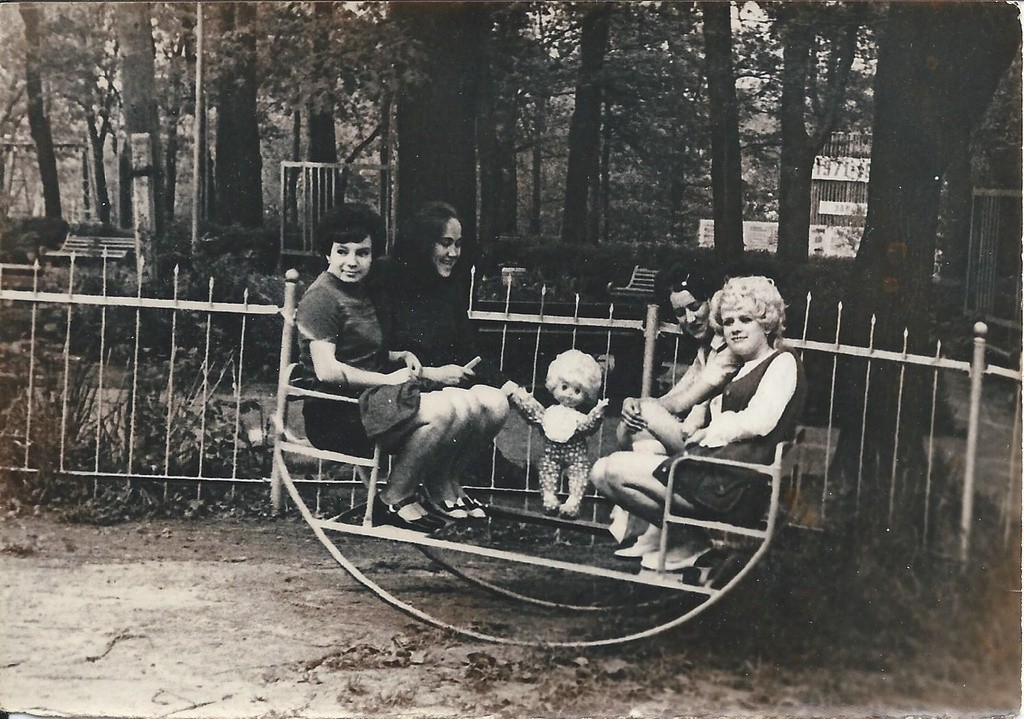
(472, 508)
(647, 542)
(676, 558)
(388, 514)
(446, 511)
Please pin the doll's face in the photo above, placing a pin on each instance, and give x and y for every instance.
(568, 394)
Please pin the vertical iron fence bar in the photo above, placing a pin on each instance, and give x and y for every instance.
(931, 446)
(283, 178)
(238, 386)
(807, 317)
(970, 283)
(135, 368)
(206, 390)
(864, 416)
(301, 212)
(533, 388)
(650, 339)
(798, 475)
(831, 408)
(31, 364)
(974, 408)
(604, 388)
(675, 359)
(576, 319)
(170, 379)
(896, 438)
(99, 383)
(1014, 473)
(67, 364)
(501, 368)
(291, 277)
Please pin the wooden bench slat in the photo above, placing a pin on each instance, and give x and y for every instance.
(640, 285)
(117, 248)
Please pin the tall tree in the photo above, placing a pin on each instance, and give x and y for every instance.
(496, 127)
(38, 119)
(938, 68)
(239, 165)
(322, 145)
(135, 37)
(726, 168)
(583, 167)
(437, 110)
(81, 64)
(807, 118)
(175, 35)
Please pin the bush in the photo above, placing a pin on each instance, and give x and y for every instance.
(587, 269)
(20, 240)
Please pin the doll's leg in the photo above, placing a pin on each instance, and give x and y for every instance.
(577, 471)
(549, 471)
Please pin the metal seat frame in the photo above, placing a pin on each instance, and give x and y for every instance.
(287, 444)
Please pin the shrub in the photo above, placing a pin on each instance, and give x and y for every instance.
(20, 240)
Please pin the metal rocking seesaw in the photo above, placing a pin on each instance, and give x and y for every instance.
(685, 599)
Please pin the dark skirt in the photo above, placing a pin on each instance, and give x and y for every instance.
(723, 494)
(335, 426)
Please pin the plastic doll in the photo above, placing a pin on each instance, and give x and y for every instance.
(574, 380)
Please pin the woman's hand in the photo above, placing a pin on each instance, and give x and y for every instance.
(412, 363)
(449, 375)
(696, 437)
(399, 376)
(632, 415)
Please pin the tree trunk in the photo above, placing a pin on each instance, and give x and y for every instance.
(384, 204)
(38, 120)
(726, 170)
(796, 162)
(99, 171)
(135, 38)
(606, 162)
(171, 163)
(938, 68)
(291, 200)
(322, 145)
(436, 121)
(585, 128)
(959, 194)
(239, 165)
(537, 163)
(496, 130)
(801, 143)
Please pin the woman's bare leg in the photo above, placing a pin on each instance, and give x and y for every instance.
(424, 440)
(442, 483)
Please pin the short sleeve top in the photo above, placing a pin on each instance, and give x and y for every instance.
(340, 313)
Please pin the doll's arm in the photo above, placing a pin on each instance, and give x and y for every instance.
(528, 406)
(592, 420)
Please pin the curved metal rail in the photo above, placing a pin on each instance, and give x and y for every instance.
(711, 595)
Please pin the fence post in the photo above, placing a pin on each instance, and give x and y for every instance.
(287, 336)
(977, 373)
(650, 338)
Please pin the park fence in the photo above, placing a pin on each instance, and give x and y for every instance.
(107, 386)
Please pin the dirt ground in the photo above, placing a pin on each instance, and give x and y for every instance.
(230, 618)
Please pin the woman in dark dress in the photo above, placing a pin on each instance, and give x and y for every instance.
(423, 309)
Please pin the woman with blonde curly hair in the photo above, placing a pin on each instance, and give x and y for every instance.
(757, 409)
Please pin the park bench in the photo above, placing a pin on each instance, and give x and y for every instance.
(17, 276)
(117, 248)
(639, 287)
